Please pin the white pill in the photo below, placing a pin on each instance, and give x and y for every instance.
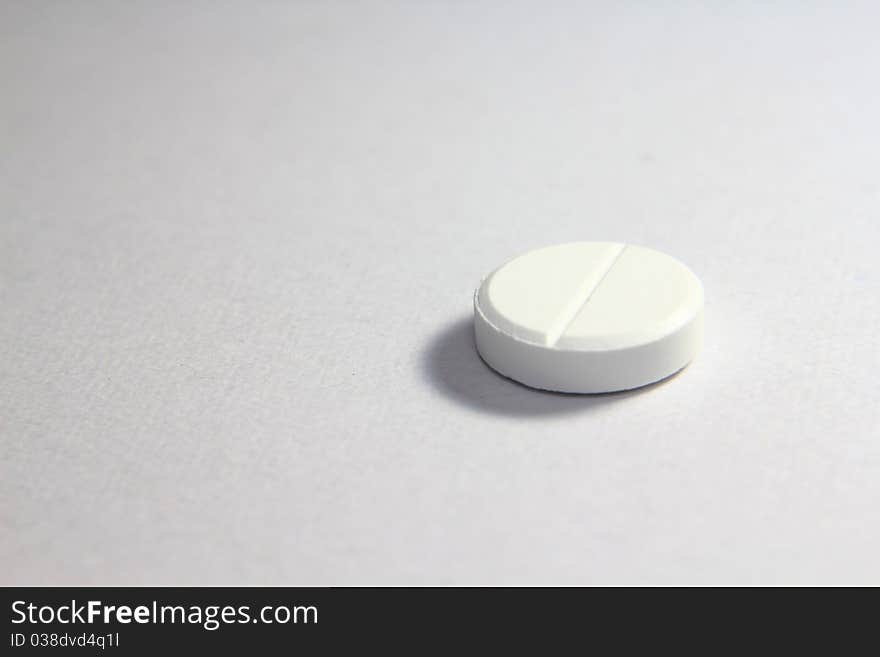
(589, 317)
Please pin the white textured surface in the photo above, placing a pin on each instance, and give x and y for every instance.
(238, 244)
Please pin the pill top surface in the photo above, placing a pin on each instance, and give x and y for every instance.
(589, 317)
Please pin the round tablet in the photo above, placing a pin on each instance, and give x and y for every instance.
(589, 317)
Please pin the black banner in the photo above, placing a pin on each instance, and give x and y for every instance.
(125, 621)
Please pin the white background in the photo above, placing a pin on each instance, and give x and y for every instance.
(238, 244)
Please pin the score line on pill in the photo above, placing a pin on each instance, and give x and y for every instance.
(589, 317)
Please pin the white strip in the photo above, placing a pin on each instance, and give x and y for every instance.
(579, 300)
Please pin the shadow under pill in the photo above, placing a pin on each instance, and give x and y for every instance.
(453, 367)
